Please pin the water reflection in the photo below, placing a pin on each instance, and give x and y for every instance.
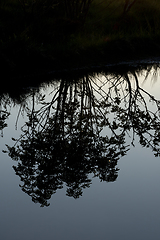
(4, 111)
(81, 127)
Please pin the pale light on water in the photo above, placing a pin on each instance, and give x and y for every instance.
(126, 208)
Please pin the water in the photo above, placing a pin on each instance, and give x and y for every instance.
(121, 201)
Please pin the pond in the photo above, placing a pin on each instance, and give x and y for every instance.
(80, 157)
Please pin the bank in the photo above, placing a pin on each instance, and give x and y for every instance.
(36, 41)
(19, 60)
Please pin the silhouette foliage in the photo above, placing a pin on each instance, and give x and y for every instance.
(81, 132)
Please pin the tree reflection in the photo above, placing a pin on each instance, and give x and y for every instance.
(81, 130)
(4, 112)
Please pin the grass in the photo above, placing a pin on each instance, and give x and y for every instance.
(52, 36)
(141, 21)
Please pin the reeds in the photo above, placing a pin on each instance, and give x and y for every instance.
(77, 9)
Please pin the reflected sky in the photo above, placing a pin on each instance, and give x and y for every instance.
(127, 208)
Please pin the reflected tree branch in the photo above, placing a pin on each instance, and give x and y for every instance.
(80, 131)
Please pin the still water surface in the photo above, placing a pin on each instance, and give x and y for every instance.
(90, 187)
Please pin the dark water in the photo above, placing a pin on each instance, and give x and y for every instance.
(82, 160)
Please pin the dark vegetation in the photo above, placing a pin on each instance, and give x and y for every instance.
(53, 34)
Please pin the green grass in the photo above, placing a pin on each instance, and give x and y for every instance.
(143, 20)
(50, 33)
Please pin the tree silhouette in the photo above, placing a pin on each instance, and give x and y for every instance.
(4, 111)
(80, 131)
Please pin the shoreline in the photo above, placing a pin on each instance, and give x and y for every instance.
(113, 54)
(36, 70)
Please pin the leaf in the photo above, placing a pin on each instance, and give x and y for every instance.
(13, 139)
(4, 151)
